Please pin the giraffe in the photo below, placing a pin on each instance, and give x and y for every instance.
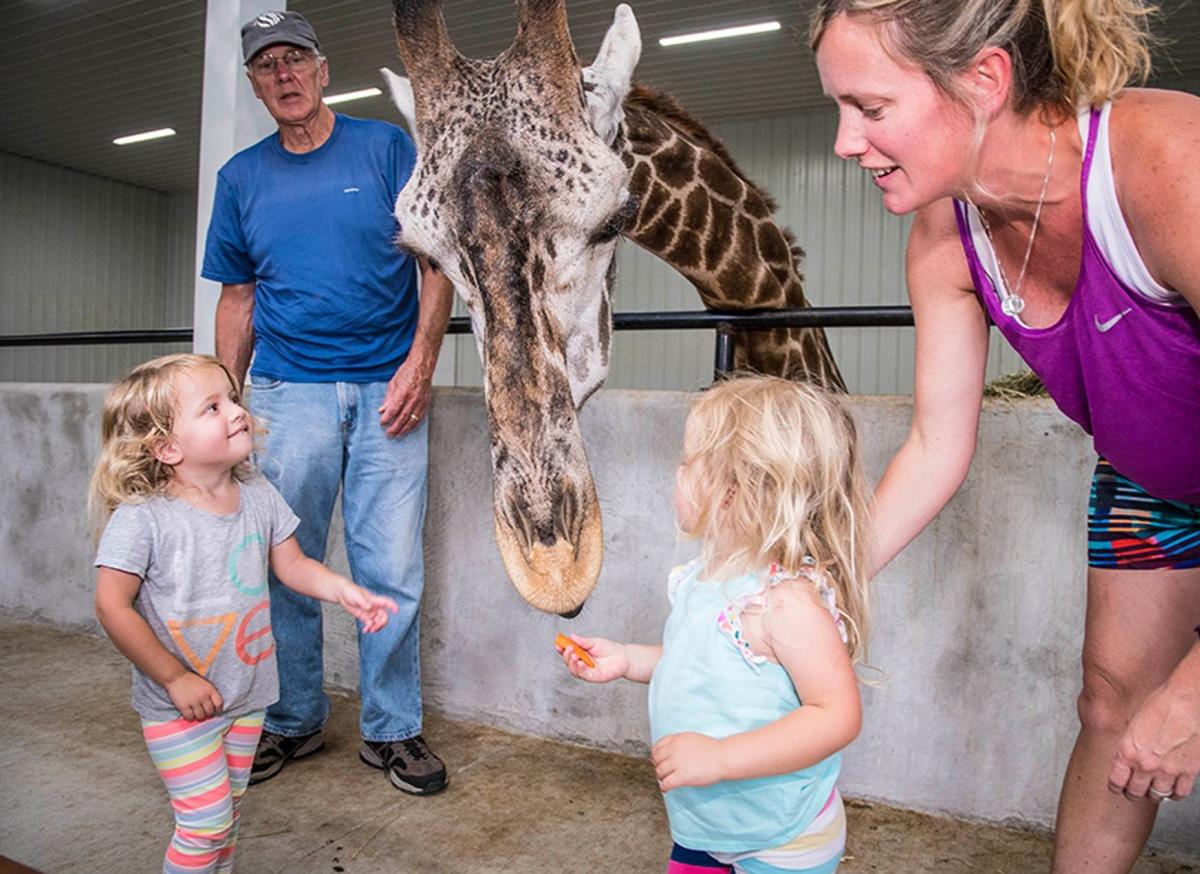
(528, 170)
(518, 200)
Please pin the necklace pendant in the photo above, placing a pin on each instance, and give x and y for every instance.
(1012, 305)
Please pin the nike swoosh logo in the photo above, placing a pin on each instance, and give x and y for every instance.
(1104, 327)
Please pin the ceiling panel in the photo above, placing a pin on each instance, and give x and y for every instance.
(77, 73)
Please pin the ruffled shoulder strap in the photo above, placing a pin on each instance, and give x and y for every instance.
(729, 619)
(679, 575)
(826, 592)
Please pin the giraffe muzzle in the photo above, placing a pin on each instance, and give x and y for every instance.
(554, 571)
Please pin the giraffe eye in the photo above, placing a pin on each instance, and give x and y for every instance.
(615, 223)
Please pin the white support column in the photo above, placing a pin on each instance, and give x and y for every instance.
(231, 119)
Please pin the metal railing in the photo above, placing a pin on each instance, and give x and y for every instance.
(725, 323)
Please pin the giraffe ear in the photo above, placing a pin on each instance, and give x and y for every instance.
(402, 95)
(607, 81)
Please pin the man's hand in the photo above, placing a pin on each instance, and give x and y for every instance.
(194, 697)
(407, 399)
(686, 759)
(409, 390)
(1159, 756)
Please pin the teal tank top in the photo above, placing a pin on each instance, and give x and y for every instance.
(708, 682)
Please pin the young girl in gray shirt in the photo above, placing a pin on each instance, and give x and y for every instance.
(182, 587)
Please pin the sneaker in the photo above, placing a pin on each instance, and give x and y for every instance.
(410, 764)
(276, 750)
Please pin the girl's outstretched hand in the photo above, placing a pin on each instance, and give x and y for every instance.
(611, 658)
(194, 697)
(686, 759)
(369, 609)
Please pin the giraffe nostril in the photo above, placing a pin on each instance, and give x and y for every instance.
(517, 520)
(568, 522)
(571, 614)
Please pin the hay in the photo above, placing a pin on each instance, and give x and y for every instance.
(1015, 385)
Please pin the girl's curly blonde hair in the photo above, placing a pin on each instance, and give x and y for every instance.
(139, 413)
(775, 476)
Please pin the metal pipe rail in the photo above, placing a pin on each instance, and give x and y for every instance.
(725, 323)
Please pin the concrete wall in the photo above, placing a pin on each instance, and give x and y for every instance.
(978, 625)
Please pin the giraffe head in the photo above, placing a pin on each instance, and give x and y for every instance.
(520, 202)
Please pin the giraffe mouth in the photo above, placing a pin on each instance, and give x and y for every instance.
(554, 575)
(547, 517)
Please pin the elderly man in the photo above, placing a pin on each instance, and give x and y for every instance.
(344, 350)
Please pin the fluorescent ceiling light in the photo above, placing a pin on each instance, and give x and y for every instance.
(148, 135)
(352, 95)
(722, 33)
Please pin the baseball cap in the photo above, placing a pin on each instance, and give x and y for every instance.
(277, 27)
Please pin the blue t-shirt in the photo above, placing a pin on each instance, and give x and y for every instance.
(335, 301)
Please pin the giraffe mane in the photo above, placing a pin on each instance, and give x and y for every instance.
(666, 107)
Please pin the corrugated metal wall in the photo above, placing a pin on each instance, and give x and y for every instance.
(80, 253)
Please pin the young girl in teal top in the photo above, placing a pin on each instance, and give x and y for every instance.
(753, 692)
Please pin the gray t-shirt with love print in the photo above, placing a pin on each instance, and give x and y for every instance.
(204, 591)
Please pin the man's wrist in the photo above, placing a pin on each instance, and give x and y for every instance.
(418, 366)
(424, 355)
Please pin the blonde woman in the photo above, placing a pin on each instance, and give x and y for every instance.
(752, 691)
(182, 587)
(1065, 207)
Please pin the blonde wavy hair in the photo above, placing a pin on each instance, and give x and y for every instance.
(1066, 54)
(773, 470)
(139, 413)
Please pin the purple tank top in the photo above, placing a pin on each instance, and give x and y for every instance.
(1126, 368)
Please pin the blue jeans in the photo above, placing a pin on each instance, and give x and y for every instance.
(322, 437)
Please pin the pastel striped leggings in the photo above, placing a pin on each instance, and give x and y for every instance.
(205, 767)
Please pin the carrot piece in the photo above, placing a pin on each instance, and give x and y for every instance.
(563, 642)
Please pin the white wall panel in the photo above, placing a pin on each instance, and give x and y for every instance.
(179, 280)
(78, 253)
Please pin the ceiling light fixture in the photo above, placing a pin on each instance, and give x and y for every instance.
(147, 135)
(722, 33)
(330, 99)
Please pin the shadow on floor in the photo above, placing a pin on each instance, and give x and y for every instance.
(80, 796)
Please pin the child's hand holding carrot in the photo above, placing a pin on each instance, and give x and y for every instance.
(594, 659)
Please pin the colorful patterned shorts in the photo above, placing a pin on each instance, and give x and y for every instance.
(1129, 529)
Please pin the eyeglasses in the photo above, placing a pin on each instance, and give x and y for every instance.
(296, 61)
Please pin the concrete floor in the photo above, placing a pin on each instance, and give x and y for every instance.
(79, 796)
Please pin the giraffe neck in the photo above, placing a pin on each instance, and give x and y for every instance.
(702, 216)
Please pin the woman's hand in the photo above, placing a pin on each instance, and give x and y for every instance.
(368, 608)
(194, 697)
(1159, 756)
(686, 759)
(611, 658)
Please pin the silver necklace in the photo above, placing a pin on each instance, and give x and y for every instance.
(1011, 301)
